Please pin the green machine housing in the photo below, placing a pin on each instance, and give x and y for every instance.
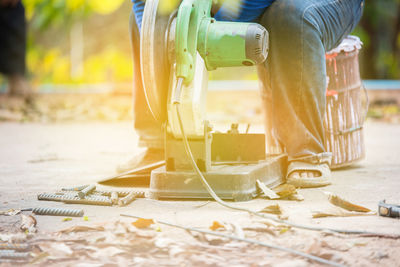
(232, 163)
(220, 44)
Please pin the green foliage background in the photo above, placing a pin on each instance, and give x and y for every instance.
(379, 30)
(107, 48)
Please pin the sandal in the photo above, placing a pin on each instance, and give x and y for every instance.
(321, 168)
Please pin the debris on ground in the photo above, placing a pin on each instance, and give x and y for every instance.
(273, 209)
(142, 223)
(138, 242)
(284, 192)
(266, 191)
(10, 212)
(216, 225)
(288, 192)
(339, 212)
(28, 223)
(341, 208)
(347, 205)
(90, 195)
(81, 228)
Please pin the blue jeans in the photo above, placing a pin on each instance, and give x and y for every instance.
(294, 75)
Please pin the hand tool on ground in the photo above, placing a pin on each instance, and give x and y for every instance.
(176, 51)
(388, 210)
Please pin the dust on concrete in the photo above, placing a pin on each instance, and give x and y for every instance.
(64, 142)
(42, 157)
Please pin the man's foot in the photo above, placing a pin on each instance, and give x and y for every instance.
(303, 174)
(150, 155)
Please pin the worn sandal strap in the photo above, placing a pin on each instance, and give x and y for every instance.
(323, 168)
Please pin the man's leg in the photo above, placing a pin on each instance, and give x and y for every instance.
(13, 48)
(149, 130)
(295, 72)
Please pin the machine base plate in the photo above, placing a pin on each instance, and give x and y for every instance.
(231, 182)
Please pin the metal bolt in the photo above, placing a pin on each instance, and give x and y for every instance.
(86, 191)
(95, 200)
(139, 194)
(70, 199)
(50, 197)
(58, 212)
(128, 199)
(75, 188)
(114, 198)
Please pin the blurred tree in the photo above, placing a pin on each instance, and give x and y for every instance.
(45, 13)
(379, 30)
(57, 40)
(54, 23)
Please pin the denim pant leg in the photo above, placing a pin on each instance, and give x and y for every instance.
(12, 39)
(294, 75)
(149, 130)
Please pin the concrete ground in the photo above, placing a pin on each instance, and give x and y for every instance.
(38, 158)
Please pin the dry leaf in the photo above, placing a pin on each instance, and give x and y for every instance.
(28, 223)
(81, 228)
(340, 202)
(274, 209)
(216, 225)
(267, 192)
(338, 212)
(10, 212)
(285, 190)
(143, 223)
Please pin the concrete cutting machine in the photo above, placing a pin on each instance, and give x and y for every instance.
(177, 51)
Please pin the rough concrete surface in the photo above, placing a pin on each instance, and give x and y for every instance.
(38, 158)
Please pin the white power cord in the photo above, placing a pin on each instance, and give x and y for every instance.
(176, 104)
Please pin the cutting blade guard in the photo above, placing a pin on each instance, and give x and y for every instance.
(220, 44)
